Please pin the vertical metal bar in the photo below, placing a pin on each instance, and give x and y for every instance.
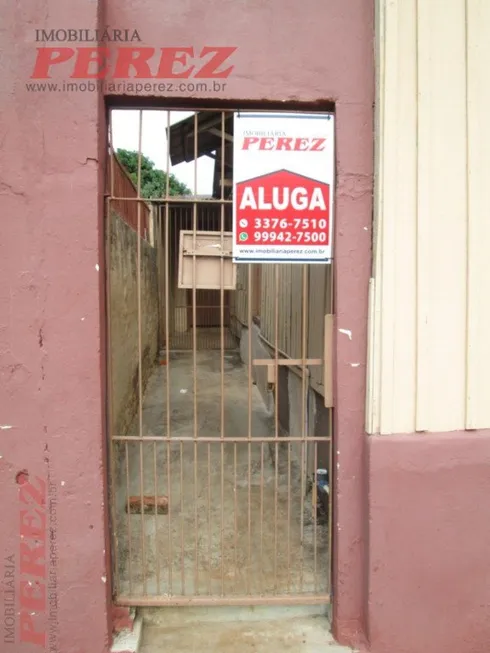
(170, 559)
(138, 276)
(222, 349)
(304, 390)
(315, 514)
(249, 445)
(182, 534)
(235, 514)
(262, 582)
(276, 415)
(196, 519)
(157, 234)
(140, 359)
(110, 425)
(167, 364)
(161, 283)
(262, 516)
(178, 216)
(112, 154)
(331, 444)
(194, 354)
(128, 520)
(155, 486)
(289, 518)
(209, 519)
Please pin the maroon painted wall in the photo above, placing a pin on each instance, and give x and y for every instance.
(429, 578)
(51, 324)
(51, 347)
(411, 527)
(321, 50)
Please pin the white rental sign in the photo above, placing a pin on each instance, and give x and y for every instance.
(283, 186)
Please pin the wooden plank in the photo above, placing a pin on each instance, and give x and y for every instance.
(441, 218)
(328, 357)
(287, 361)
(477, 407)
(316, 314)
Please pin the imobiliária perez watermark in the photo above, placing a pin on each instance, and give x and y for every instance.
(29, 575)
(116, 61)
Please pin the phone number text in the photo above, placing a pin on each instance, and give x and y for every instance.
(290, 237)
(304, 224)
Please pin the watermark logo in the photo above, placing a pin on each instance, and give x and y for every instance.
(30, 591)
(135, 62)
(87, 35)
(65, 54)
(9, 611)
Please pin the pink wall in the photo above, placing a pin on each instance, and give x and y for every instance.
(51, 343)
(411, 527)
(411, 519)
(320, 50)
(429, 587)
(51, 323)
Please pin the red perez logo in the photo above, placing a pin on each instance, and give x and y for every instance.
(128, 62)
(284, 143)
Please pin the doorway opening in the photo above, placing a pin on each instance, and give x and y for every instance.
(220, 409)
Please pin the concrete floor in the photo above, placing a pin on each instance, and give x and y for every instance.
(237, 525)
(238, 631)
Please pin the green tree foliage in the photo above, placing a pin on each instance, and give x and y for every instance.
(153, 181)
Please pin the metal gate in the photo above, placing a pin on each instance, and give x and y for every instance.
(220, 402)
